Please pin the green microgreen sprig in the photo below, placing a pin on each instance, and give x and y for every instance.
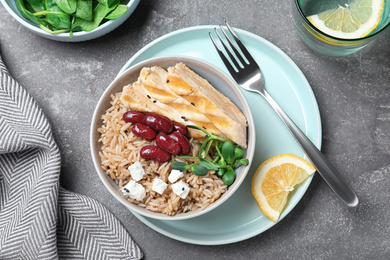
(228, 157)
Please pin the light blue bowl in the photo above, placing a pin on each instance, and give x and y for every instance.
(103, 29)
(221, 81)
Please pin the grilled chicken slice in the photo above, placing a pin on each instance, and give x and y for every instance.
(213, 104)
(136, 98)
(136, 101)
(154, 80)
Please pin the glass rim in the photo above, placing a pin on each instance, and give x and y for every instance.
(333, 37)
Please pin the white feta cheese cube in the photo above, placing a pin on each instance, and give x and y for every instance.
(175, 175)
(134, 190)
(159, 186)
(181, 189)
(137, 171)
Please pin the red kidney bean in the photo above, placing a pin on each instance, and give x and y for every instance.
(182, 141)
(168, 144)
(180, 128)
(151, 152)
(133, 117)
(159, 122)
(143, 131)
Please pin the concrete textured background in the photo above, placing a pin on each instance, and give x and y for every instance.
(353, 94)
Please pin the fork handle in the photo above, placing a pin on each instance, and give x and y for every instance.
(327, 171)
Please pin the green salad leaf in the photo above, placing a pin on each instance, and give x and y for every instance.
(84, 10)
(117, 12)
(68, 6)
(58, 16)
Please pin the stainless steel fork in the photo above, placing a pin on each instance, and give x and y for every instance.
(248, 75)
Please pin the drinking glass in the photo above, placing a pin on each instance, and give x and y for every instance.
(324, 43)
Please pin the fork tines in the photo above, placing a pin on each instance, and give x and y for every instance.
(238, 57)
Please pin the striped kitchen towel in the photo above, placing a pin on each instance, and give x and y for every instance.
(38, 218)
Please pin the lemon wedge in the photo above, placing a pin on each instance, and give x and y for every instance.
(275, 179)
(351, 21)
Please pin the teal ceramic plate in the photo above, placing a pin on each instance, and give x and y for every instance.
(240, 218)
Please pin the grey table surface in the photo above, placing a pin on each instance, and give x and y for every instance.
(353, 94)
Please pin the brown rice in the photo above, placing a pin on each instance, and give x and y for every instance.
(120, 148)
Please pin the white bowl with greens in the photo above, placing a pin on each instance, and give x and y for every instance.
(70, 20)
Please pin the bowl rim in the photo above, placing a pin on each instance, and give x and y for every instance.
(107, 181)
(76, 36)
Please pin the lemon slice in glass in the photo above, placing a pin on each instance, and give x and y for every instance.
(275, 179)
(351, 21)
